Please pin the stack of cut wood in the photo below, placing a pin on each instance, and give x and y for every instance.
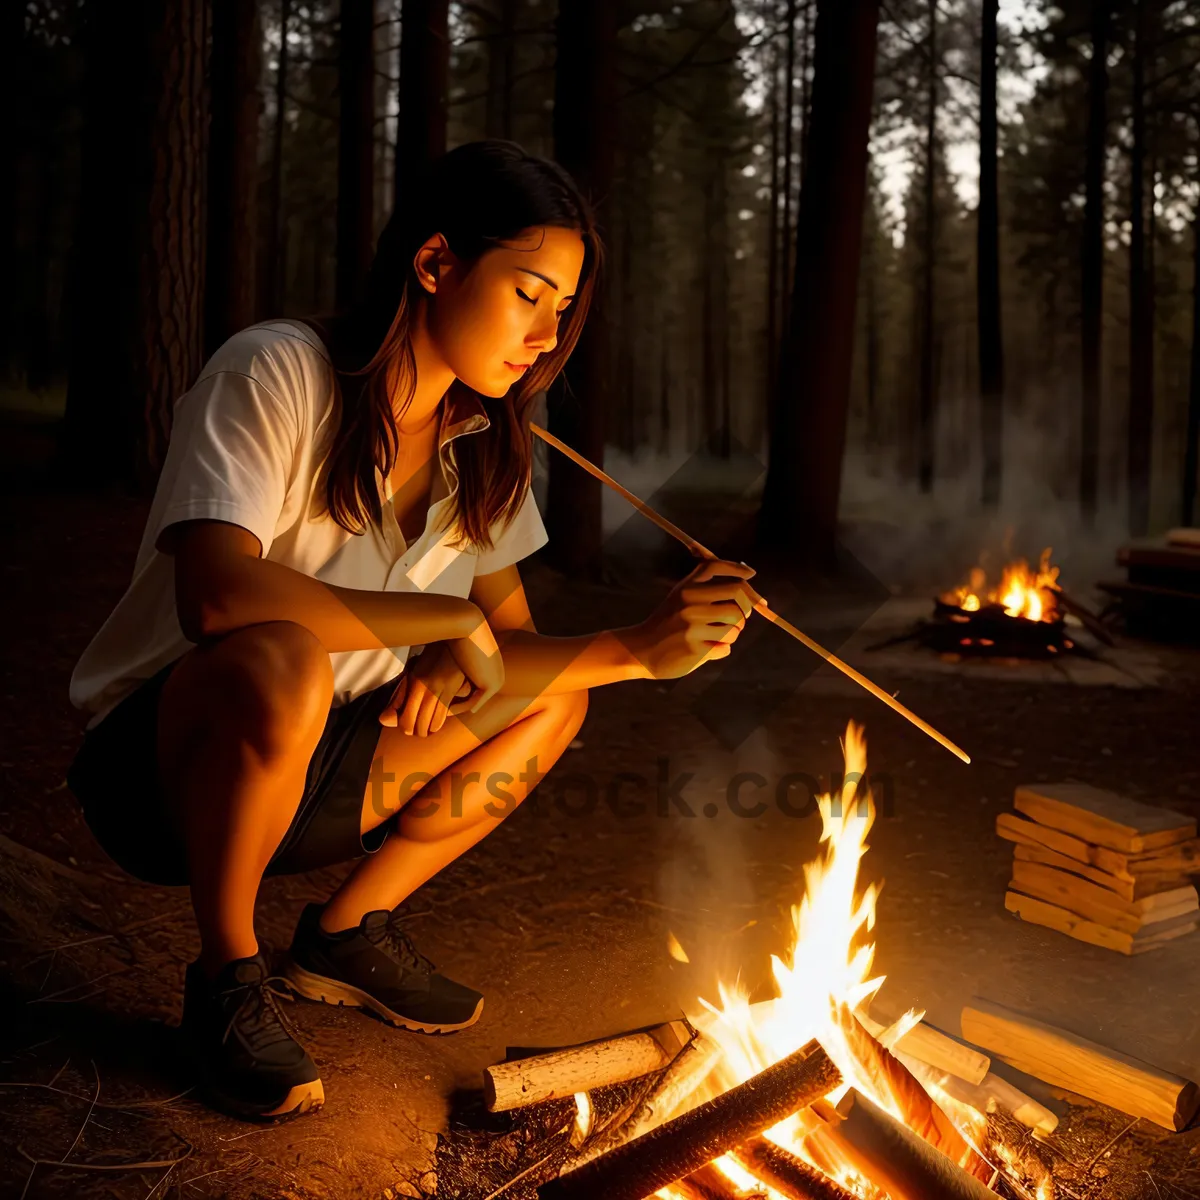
(1101, 868)
(1161, 594)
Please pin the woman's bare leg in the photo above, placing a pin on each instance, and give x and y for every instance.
(238, 721)
(506, 747)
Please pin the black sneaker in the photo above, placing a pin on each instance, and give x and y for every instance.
(376, 966)
(249, 1064)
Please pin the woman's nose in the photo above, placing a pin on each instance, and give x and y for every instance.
(544, 334)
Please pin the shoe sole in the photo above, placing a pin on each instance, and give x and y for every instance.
(303, 1098)
(332, 991)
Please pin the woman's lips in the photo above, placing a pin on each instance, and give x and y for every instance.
(518, 367)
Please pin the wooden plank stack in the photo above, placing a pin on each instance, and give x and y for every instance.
(1160, 595)
(1101, 868)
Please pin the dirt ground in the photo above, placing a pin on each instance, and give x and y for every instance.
(562, 916)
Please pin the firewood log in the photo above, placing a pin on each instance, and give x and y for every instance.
(788, 1175)
(639, 1168)
(896, 1159)
(1183, 857)
(995, 1094)
(709, 1183)
(1066, 1060)
(1103, 818)
(561, 1073)
(930, 1046)
(676, 1091)
(1016, 829)
(1052, 916)
(1088, 899)
(1128, 887)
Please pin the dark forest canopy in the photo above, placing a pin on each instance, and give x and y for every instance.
(1022, 320)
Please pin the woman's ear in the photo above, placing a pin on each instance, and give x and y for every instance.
(430, 260)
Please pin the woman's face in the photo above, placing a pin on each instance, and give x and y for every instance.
(489, 320)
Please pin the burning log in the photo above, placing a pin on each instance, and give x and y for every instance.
(788, 1175)
(683, 1145)
(935, 1049)
(709, 1183)
(679, 1081)
(891, 1078)
(896, 1159)
(577, 1069)
(1068, 1061)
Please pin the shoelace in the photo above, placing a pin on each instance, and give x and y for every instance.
(400, 945)
(258, 1015)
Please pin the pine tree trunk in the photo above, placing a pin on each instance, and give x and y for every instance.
(724, 351)
(808, 430)
(1092, 281)
(789, 122)
(502, 69)
(230, 298)
(1191, 450)
(991, 346)
(424, 74)
(584, 143)
(356, 149)
(926, 401)
(276, 245)
(871, 271)
(12, 44)
(710, 365)
(1140, 398)
(138, 271)
(773, 243)
(805, 53)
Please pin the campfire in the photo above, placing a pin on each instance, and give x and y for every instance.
(1021, 617)
(807, 1095)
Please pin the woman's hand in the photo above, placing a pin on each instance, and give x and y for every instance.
(699, 620)
(426, 691)
(445, 679)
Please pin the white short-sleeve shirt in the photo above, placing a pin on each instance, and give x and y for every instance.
(247, 444)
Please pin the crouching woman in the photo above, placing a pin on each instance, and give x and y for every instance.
(325, 653)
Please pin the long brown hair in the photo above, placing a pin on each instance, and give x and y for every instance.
(477, 196)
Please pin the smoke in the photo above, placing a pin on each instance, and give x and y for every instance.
(719, 883)
(918, 543)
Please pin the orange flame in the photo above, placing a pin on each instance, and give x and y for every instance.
(1022, 591)
(824, 977)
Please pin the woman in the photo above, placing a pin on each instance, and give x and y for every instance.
(325, 653)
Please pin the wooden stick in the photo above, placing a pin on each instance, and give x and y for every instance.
(787, 1174)
(896, 1159)
(639, 1168)
(1089, 618)
(561, 1073)
(760, 605)
(677, 1086)
(1068, 1061)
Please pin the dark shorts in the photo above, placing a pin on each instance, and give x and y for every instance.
(115, 778)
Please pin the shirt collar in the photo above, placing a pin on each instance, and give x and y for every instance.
(463, 412)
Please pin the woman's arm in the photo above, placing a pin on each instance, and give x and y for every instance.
(696, 622)
(221, 584)
(536, 664)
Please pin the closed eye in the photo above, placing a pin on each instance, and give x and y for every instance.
(530, 299)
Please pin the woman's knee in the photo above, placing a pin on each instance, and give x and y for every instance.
(570, 709)
(273, 681)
